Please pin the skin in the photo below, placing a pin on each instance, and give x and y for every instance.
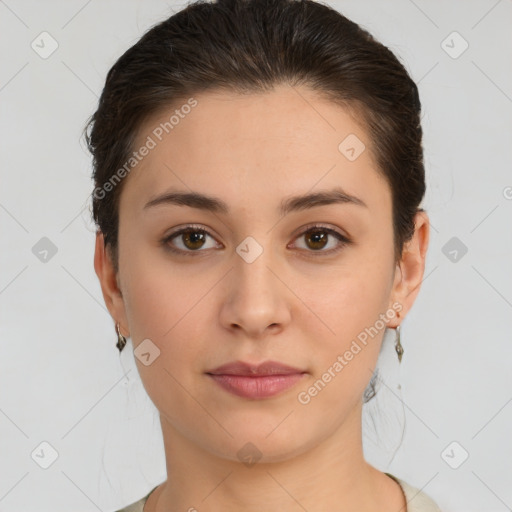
(292, 304)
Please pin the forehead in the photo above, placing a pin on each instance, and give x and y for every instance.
(283, 142)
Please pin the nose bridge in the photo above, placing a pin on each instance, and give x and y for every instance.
(252, 261)
(255, 297)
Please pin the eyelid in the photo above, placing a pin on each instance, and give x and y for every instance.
(342, 239)
(177, 232)
(319, 225)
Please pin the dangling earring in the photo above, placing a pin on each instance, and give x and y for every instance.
(121, 340)
(398, 346)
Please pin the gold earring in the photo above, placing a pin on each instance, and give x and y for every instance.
(398, 346)
(121, 340)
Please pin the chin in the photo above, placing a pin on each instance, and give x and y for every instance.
(256, 445)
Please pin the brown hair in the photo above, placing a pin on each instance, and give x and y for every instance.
(251, 46)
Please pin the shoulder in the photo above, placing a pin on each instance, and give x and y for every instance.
(138, 506)
(417, 501)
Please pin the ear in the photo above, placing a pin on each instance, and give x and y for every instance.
(109, 284)
(410, 270)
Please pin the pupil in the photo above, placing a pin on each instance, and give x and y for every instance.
(318, 237)
(194, 237)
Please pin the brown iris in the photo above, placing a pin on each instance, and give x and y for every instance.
(318, 237)
(193, 237)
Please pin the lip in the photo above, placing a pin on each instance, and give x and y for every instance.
(247, 369)
(257, 387)
(256, 381)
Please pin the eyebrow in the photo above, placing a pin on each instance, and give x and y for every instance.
(287, 205)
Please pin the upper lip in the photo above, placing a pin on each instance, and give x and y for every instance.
(265, 368)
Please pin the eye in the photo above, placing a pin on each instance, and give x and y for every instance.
(317, 238)
(189, 239)
(192, 239)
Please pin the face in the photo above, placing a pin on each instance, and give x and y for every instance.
(249, 281)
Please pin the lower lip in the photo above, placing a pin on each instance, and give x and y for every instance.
(257, 387)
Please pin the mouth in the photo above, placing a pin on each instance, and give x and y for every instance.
(257, 387)
(256, 381)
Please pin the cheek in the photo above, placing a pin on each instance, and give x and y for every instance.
(342, 363)
(165, 308)
(348, 300)
(347, 323)
(159, 294)
(171, 307)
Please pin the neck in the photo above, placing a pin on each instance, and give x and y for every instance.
(330, 475)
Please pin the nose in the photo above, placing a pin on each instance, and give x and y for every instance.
(256, 300)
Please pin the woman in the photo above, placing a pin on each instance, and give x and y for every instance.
(258, 172)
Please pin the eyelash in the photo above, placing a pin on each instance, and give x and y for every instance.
(344, 241)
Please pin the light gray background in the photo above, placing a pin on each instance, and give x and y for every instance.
(62, 380)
